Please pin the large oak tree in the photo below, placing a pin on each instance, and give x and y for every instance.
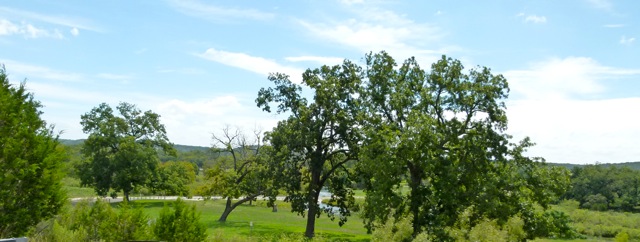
(443, 133)
(122, 150)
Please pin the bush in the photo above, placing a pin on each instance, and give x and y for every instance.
(181, 224)
(596, 202)
(394, 231)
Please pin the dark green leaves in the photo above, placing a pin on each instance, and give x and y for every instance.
(122, 150)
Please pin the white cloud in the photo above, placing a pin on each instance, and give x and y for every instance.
(532, 18)
(627, 41)
(318, 59)
(193, 122)
(74, 31)
(375, 29)
(578, 131)
(71, 22)
(550, 107)
(215, 13)
(562, 78)
(8, 28)
(536, 19)
(254, 64)
(601, 4)
(27, 30)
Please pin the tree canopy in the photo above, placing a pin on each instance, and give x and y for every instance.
(30, 161)
(442, 132)
(122, 150)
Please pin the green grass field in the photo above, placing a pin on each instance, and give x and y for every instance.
(73, 188)
(266, 224)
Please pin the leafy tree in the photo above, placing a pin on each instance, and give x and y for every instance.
(181, 224)
(122, 150)
(318, 138)
(443, 133)
(246, 176)
(173, 178)
(600, 188)
(30, 161)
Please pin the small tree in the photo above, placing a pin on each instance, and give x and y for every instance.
(30, 161)
(173, 178)
(122, 150)
(245, 178)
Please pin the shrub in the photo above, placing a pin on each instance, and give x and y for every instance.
(181, 224)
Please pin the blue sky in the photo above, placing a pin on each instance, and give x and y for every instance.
(573, 66)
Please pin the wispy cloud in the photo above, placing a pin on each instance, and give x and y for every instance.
(71, 22)
(254, 64)
(606, 5)
(317, 59)
(193, 121)
(563, 78)
(627, 40)
(532, 18)
(351, 2)
(613, 25)
(376, 29)
(39, 72)
(216, 13)
(115, 77)
(27, 30)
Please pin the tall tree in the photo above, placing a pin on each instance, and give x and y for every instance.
(122, 150)
(245, 177)
(30, 161)
(318, 139)
(440, 131)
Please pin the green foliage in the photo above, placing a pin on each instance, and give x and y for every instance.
(30, 161)
(182, 223)
(121, 150)
(174, 178)
(244, 172)
(622, 237)
(314, 144)
(394, 231)
(596, 202)
(607, 224)
(442, 132)
(86, 222)
(598, 187)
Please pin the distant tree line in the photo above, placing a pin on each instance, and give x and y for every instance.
(600, 187)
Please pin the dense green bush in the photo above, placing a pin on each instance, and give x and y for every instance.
(181, 224)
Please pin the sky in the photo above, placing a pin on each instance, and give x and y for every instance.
(573, 66)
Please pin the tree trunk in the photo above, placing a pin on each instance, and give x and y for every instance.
(312, 203)
(227, 210)
(416, 198)
(126, 195)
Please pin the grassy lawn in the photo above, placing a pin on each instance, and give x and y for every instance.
(73, 188)
(599, 226)
(266, 224)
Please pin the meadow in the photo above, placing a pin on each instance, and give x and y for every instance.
(267, 225)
